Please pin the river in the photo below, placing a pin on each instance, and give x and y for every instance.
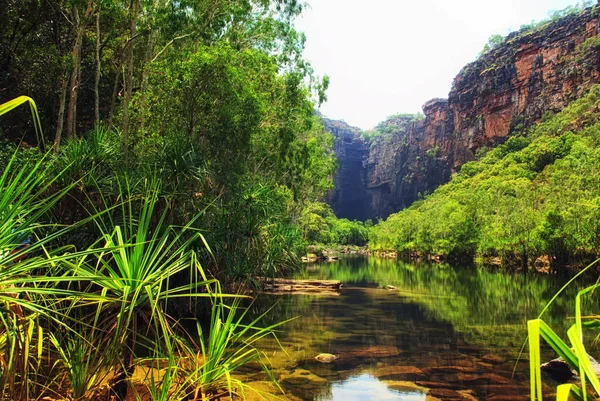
(442, 333)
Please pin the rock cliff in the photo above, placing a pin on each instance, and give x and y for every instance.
(505, 90)
(350, 198)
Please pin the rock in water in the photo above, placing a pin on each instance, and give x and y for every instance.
(559, 370)
(326, 358)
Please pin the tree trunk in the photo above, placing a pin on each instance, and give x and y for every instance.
(144, 76)
(76, 70)
(98, 69)
(61, 111)
(73, 84)
(115, 91)
(134, 9)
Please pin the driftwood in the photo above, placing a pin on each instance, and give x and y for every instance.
(279, 286)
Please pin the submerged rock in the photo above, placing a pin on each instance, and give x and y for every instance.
(304, 378)
(399, 373)
(404, 386)
(493, 359)
(376, 351)
(446, 394)
(449, 370)
(483, 378)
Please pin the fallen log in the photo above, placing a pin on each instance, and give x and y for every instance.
(302, 287)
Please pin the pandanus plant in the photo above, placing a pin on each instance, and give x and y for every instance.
(221, 348)
(108, 300)
(132, 275)
(25, 198)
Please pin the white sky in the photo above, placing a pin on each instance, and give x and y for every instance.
(391, 56)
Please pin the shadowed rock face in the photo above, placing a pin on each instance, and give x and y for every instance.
(508, 88)
(350, 198)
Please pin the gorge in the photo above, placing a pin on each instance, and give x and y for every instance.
(510, 87)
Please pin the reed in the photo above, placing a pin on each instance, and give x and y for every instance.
(574, 353)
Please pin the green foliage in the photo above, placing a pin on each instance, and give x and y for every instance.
(320, 226)
(496, 40)
(219, 144)
(222, 115)
(531, 196)
(493, 42)
(227, 345)
(12, 104)
(575, 355)
(71, 317)
(434, 152)
(393, 125)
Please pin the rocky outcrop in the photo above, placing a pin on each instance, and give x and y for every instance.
(532, 73)
(506, 90)
(350, 198)
(410, 159)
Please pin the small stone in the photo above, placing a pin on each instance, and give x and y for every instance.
(326, 358)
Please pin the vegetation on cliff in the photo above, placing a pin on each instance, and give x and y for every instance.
(497, 39)
(534, 195)
(390, 126)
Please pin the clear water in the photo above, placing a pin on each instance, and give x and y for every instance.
(444, 333)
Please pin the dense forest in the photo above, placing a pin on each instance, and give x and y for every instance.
(179, 150)
(211, 99)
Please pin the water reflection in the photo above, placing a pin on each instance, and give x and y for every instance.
(445, 332)
(368, 388)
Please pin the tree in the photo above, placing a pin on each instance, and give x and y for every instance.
(493, 42)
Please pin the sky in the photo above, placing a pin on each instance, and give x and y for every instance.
(390, 56)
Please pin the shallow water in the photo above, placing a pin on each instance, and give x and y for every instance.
(442, 332)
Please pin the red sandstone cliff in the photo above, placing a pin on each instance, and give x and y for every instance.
(516, 83)
(506, 89)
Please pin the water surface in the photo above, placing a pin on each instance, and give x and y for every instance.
(440, 333)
